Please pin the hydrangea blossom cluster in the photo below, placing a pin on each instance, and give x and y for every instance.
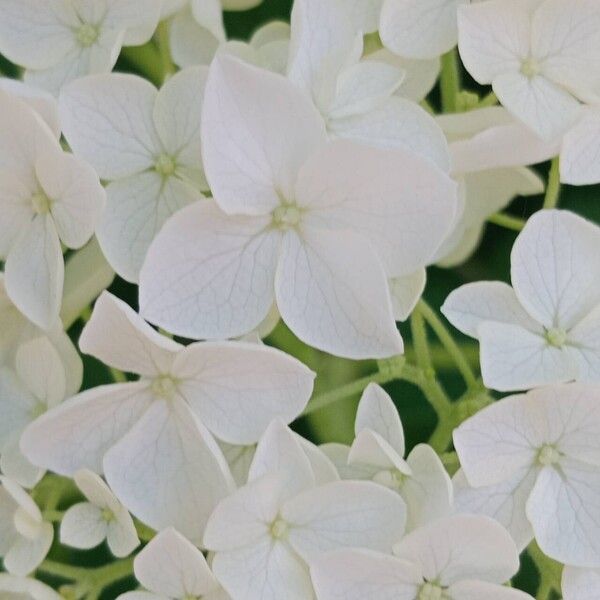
(219, 373)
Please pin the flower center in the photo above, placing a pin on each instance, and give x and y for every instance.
(87, 34)
(164, 386)
(392, 479)
(430, 591)
(548, 456)
(556, 337)
(279, 529)
(530, 67)
(108, 515)
(165, 165)
(286, 216)
(41, 203)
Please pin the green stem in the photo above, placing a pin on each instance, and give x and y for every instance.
(64, 571)
(490, 100)
(53, 516)
(507, 221)
(550, 571)
(553, 187)
(450, 81)
(164, 49)
(118, 376)
(419, 335)
(448, 342)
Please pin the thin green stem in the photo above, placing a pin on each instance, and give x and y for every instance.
(490, 100)
(553, 187)
(450, 81)
(507, 221)
(118, 376)
(164, 49)
(63, 571)
(448, 342)
(52, 516)
(421, 345)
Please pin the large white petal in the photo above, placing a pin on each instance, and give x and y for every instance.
(16, 401)
(475, 590)
(364, 14)
(237, 389)
(584, 340)
(24, 585)
(16, 192)
(190, 43)
(580, 584)
(254, 149)
(26, 554)
(107, 120)
(358, 574)
(168, 470)
(377, 411)
(78, 433)
(419, 28)
(34, 272)
(461, 547)
(208, 275)
(475, 303)
(173, 567)
(551, 270)
(406, 291)
(344, 514)
(119, 337)
(579, 164)
(332, 292)
(564, 510)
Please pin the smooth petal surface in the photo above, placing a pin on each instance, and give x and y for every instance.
(475, 590)
(406, 291)
(580, 584)
(119, 337)
(208, 275)
(332, 292)
(237, 389)
(26, 554)
(254, 149)
(168, 470)
(579, 157)
(83, 526)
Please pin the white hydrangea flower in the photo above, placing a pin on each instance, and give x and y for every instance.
(151, 437)
(25, 537)
(364, 14)
(289, 220)
(489, 151)
(458, 558)
(580, 584)
(23, 588)
(532, 461)
(580, 150)
(17, 330)
(546, 328)
(419, 28)
(265, 534)
(541, 56)
(60, 40)
(37, 384)
(102, 517)
(171, 568)
(47, 197)
(146, 143)
(377, 454)
(357, 98)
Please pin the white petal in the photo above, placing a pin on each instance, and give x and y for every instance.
(16, 401)
(580, 149)
(397, 123)
(580, 584)
(551, 271)
(419, 28)
(254, 149)
(107, 120)
(475, 303)
(428, 490)
(564, 510)
(14, 465)
(239, 459)
(322, 466)
(208, 275)
(338, 455)
(406, 291)
(237, 389)
(461, 547)
(122, 537)
(344, 514)
(493, 37)
(17, 190)
(475, 590)
(545, 108)
(332, 292)
(504, 502)
(34, 272)
(497, 442)
(364, 14)
(168, 470)
(22, 585)
(78, 433)
(402, 203)
(584, 341)
(171, 566)
(34, 35)
(514, 358)
(25, 555)
(82, 526)
(93, 487)
(360, 574)
(209, 14)
(139, 24)
(119, 337)
(263, 571)
(377, 411)
(190, 43)
(369, 448)
(8, 533)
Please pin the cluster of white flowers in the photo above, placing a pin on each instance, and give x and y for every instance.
(307, 179)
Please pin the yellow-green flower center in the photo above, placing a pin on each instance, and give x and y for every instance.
(530, 68)
(108, 515)
(548, 456)
(392, 478)
(165, 165)
(87, 34)
(430, 591)
(41, 203)
(286, 216)
(164, 386)
(556, 337)
(279, 529)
